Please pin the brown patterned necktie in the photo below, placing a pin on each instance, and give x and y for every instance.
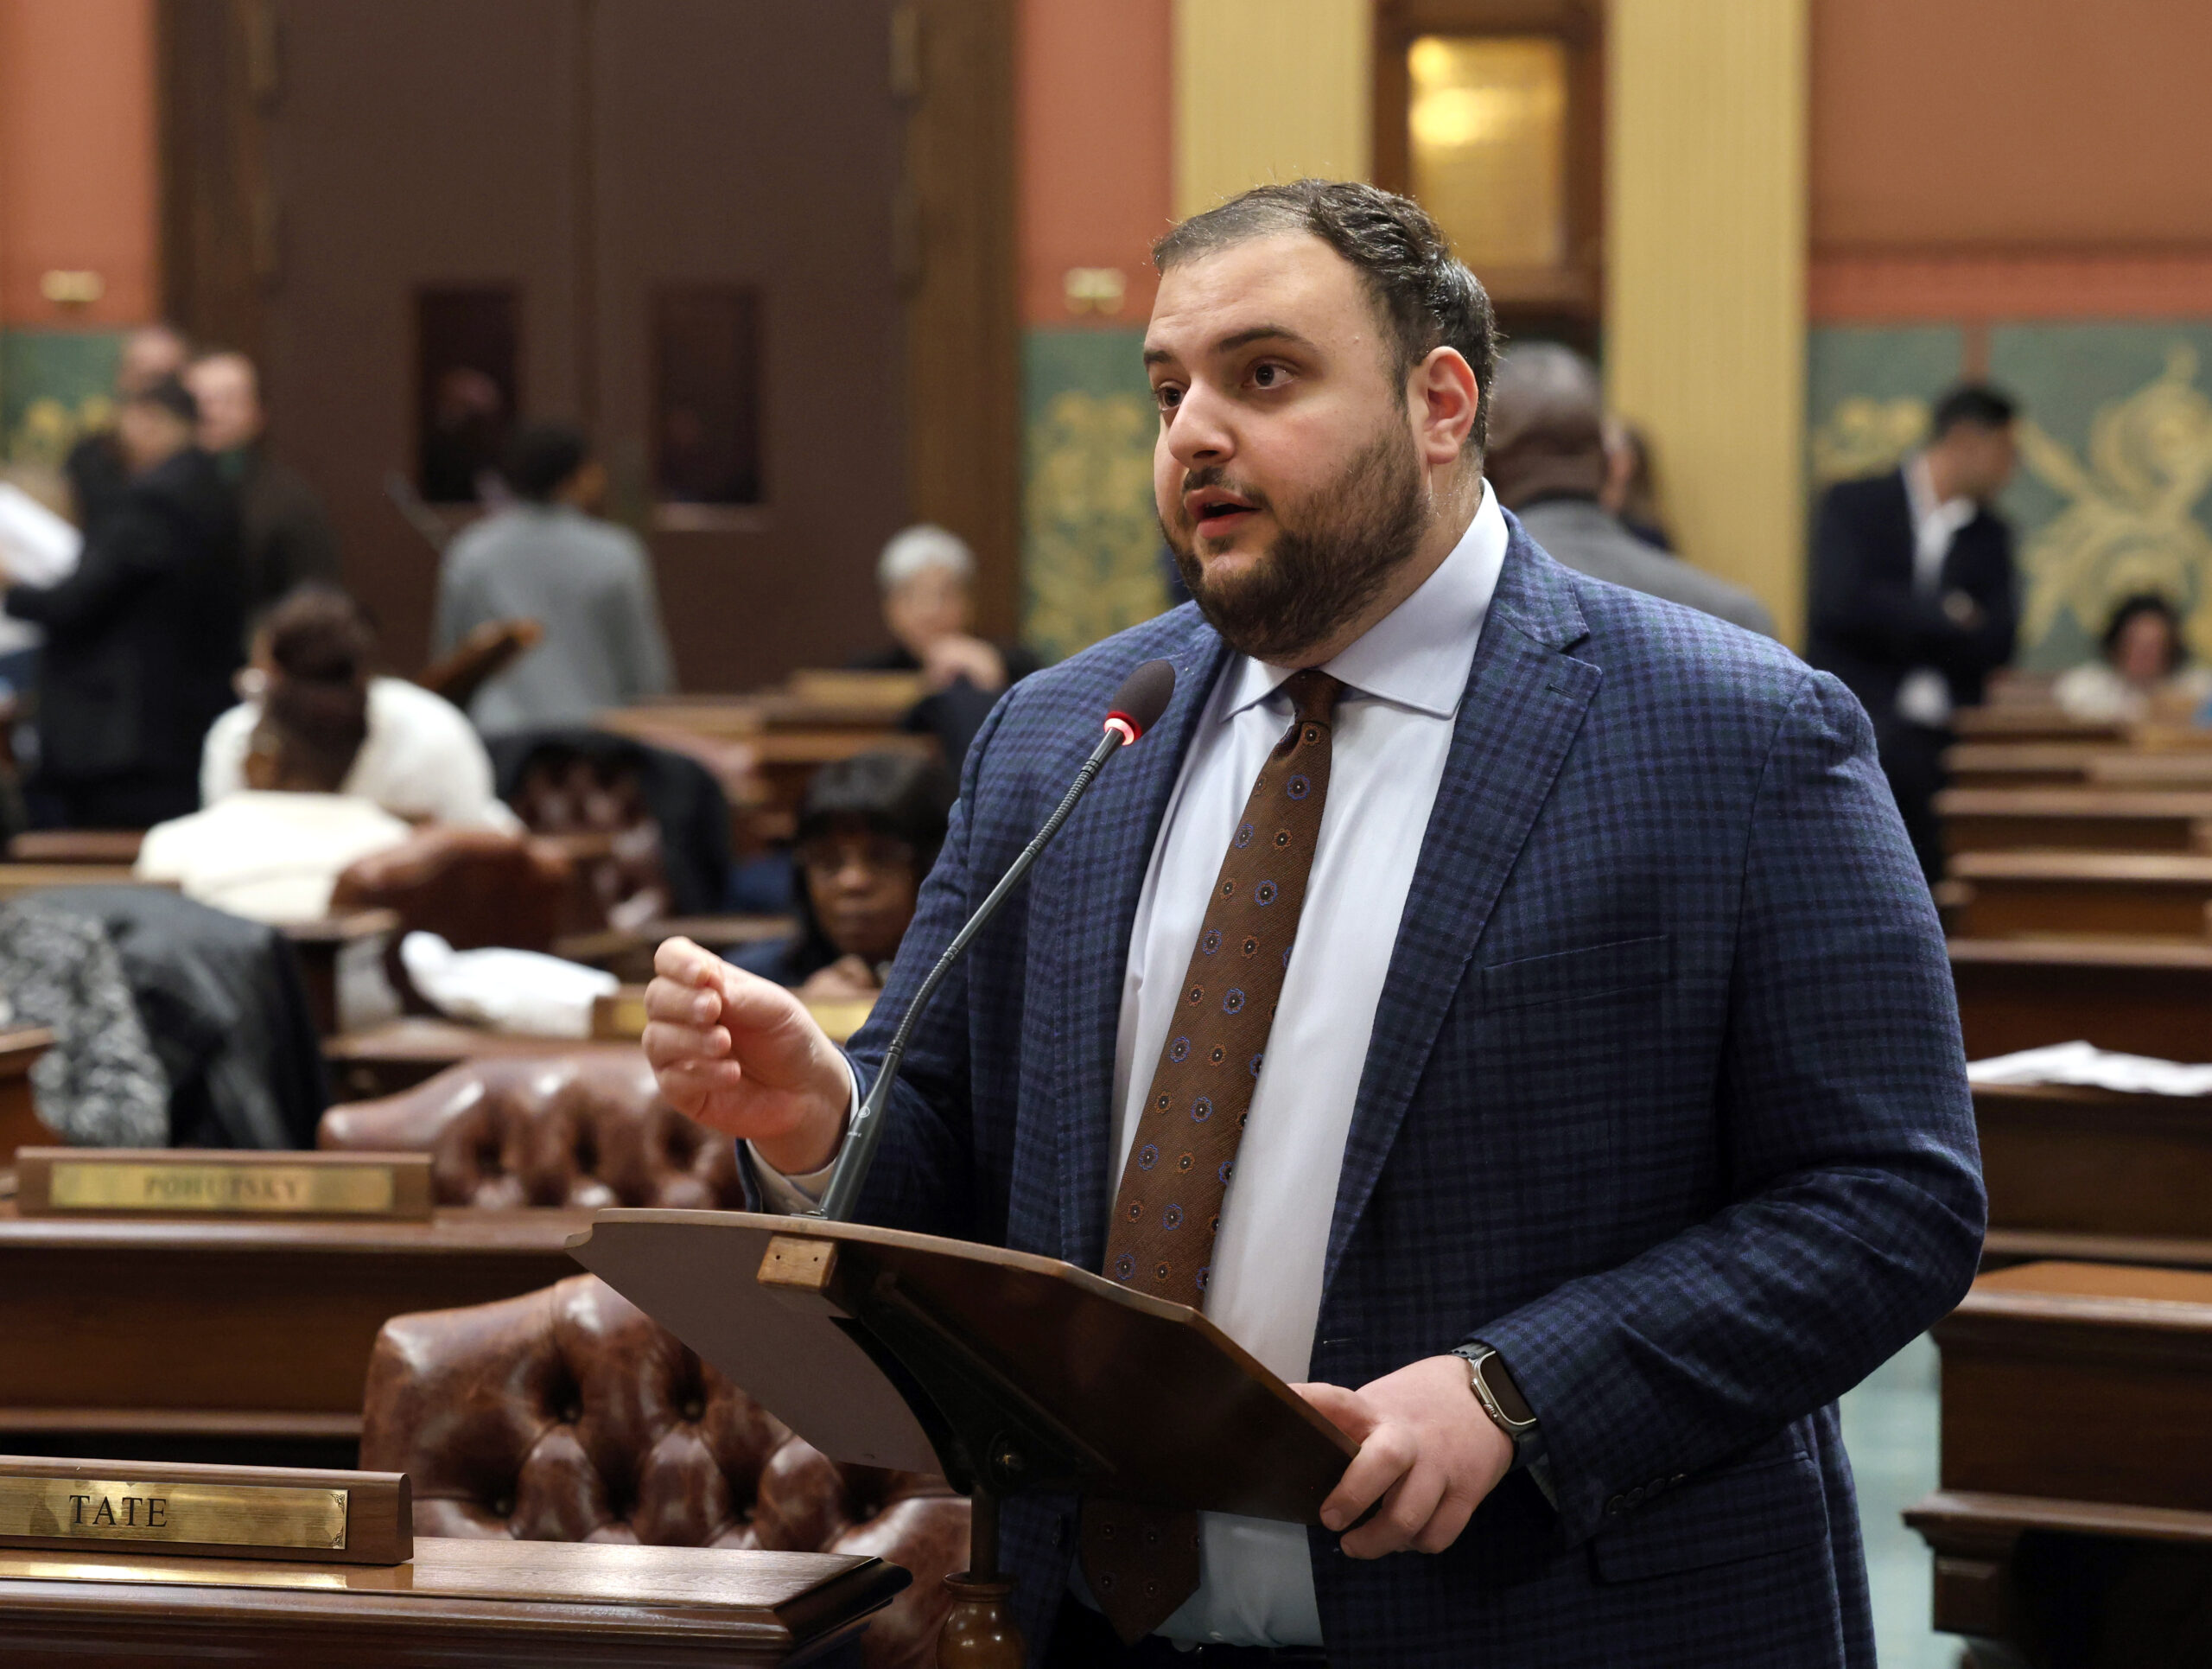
(1142, 1563)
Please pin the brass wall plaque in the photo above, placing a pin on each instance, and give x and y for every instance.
(223, 1515)
(222, 1185)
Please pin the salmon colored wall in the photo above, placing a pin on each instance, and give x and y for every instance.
(2021, 158)
(1097, 149)
(76, 159)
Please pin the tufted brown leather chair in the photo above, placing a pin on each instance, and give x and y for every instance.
(567, 1414)
(473, 887)
(583, 1129)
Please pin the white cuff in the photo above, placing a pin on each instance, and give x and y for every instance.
(793, 1196)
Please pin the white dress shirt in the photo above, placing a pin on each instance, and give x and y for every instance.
(1403, 681)
(1924, 694)
(1391, 736)
(422, 759)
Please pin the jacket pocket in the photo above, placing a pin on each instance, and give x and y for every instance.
(1578, 976)
(1768, 1506)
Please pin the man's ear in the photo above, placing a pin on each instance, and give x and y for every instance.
(1444, 397)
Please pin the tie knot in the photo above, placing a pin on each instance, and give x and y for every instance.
(1315, 693)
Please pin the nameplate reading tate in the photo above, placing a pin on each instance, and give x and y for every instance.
(224, 1515)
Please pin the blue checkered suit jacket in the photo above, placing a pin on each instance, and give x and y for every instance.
(1665, 1100)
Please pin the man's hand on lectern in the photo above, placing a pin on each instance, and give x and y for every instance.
(1427, 1450)
(742, 1054)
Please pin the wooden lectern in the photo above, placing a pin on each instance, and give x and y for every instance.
(1006, 1372)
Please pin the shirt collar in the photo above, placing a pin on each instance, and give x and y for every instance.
(1417, 656)
(1951, 515)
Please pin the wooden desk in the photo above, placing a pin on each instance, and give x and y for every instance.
(387, 1058)
(17, 879)
(2182, 770)
(2115, 895)
(232, 1341)
(19, 1127)
(2031, 722)
(2143, 997)
(77, 846)
(2075, 1400)
(2034, 1582)
(2020, 764)
(488, 1603)
(627, 953)
(2095, 1174)
(2075, 819)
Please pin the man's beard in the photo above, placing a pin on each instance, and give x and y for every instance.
(1351, 535)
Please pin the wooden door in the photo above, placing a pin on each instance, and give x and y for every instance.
(690, 225)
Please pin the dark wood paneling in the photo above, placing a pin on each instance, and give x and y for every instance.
(413, 143)
(959, 258)
(217, 78)
(757, 145)
(853, 159)
(120, 1332)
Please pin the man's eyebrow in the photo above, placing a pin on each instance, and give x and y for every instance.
(1261, 333)
(1234, 340)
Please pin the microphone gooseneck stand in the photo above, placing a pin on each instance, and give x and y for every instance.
(843, 1192)
(1142, 697)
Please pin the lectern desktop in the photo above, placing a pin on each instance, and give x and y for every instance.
(1006, 1372)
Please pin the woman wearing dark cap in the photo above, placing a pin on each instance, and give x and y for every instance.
(869, 831)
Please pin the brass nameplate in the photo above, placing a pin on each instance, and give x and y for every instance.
(229, 1186)
(211, 1514)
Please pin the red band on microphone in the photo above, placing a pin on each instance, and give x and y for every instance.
(1124, 726)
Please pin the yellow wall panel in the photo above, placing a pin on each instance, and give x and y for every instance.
(1268, 90)
(1704, 252)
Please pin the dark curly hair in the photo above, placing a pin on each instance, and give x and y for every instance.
(1424, 294)
(316, 711)
(2146, 603)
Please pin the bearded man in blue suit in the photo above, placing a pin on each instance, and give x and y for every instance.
(1606, 1117)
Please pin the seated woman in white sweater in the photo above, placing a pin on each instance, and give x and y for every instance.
(422, 759)
(274, 851)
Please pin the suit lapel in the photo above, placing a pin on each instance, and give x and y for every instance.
(1108, 850)
(1524, 703)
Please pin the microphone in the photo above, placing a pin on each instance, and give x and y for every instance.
(1144, 696)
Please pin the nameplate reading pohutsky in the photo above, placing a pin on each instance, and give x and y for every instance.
(59, 1181)
(60, 1511)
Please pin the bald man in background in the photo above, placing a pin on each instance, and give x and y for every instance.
(1547, 464)
(285, 536)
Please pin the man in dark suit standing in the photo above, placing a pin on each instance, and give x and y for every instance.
(1914, 600)
(285, 538)
(1505, 1003)
(143, 637)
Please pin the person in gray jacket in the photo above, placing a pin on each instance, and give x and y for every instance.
(1546, 462)
(546, 557)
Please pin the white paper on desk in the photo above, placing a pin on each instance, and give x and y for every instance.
(2084, 1064)
(508, 990)
(36, 548)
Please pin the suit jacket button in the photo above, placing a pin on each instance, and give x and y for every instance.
(1613, 1507)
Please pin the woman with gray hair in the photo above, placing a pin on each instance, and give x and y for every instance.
(926, 575)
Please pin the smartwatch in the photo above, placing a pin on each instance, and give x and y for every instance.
(1501, 1399)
